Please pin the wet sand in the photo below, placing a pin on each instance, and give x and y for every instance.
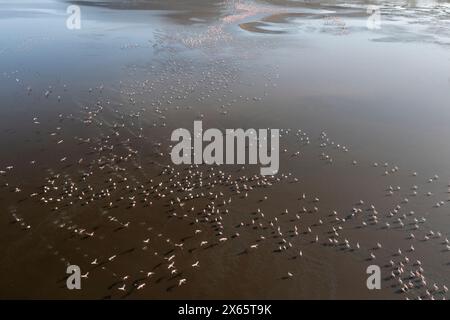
(86, 176)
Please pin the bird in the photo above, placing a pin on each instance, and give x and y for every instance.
(196, 264)
(142, 285)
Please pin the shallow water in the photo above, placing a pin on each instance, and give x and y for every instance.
(86, 117)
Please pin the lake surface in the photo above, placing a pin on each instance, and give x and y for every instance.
(360, 91)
